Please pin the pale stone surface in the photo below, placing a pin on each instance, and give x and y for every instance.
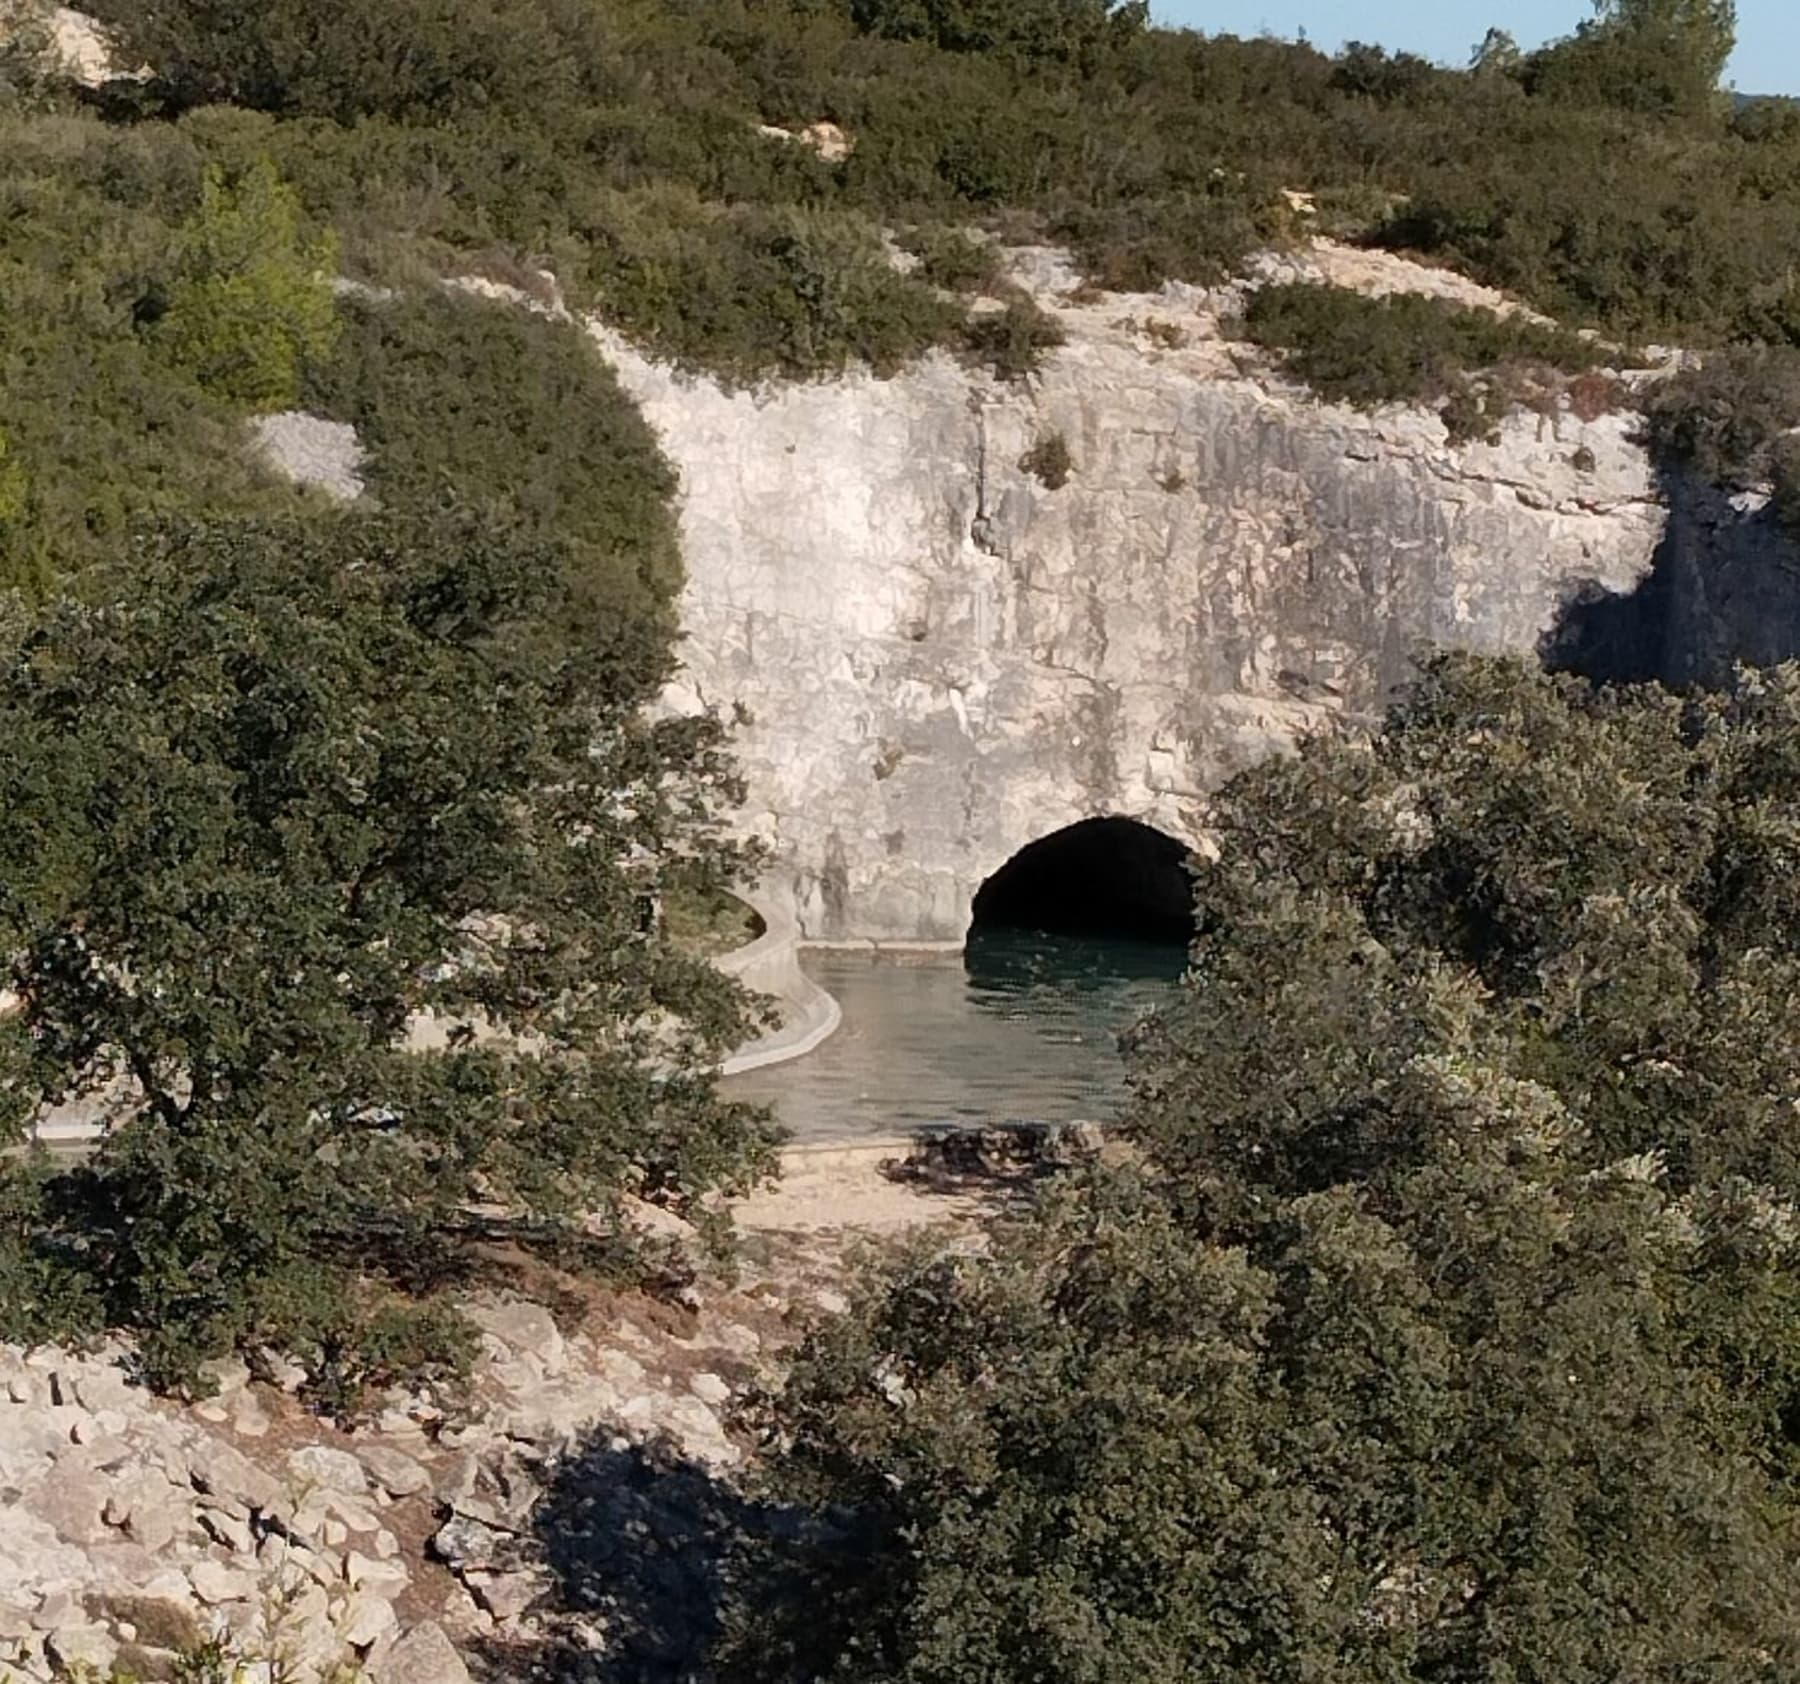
(214, 1582)
(327, 1468)
(310, 450)
(139, 1504)
(943, 661)
(507, 1595)
(364, 1618)
(710, 1389)
(526, 1328)
(394, 1471)
(72, 1648)
(423, 1656)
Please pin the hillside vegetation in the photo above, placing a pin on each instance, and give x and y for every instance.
(1436, 1319)
(623, 146)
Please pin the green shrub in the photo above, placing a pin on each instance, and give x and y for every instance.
(1056, 31)
(955, 260)
(753, 292)
(249, 299)
(1456, 1260)
(485, 120)
(99, 420)
(1461, 1427)
(1403, 348)
(1049, 462)
(348, 59)
(517, 416)
(1202, 238)
(1726, 417)
(1012, 341)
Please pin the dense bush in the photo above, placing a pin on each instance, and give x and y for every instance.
(1012, 340)
(1064, 31)
(353, 58)
(102, 423)
(751, 292)
(1049, 462)
(249, 299)
(1157, 153)
(1656, 56)
(954, 259)
(513, 414)
(1403, 348)
(1445, 1327)
(1727, 416)
(268, 792)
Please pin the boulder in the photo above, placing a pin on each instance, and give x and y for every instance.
(529, 1329)
(506, 1595)
(710, 1389)
(81, 1649)
(214, 1583)
(325, 1468)
(72, 1502)
(363, 1619)
(383, 1578)
(466, 1544)
(230, 1476)
(423, 1656)
(394, 1471)
(152, 1511)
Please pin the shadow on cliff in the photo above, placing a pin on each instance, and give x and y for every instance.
(647, 1549)
(1723, 592)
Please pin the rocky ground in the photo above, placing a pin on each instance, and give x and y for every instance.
(554, 1518)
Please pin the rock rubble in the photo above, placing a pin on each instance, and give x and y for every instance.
(133, 1528)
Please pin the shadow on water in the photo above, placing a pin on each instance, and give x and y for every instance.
(1007, 968)
(1723, 591)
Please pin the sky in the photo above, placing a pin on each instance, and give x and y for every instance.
(1767, 62)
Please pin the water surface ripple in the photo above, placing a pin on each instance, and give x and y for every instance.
(1021, 1027)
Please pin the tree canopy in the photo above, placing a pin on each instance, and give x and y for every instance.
(278, 799)
(1442, 1327)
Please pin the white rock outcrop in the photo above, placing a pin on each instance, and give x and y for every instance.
(940, 660)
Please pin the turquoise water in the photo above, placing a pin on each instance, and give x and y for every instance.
(1021, 1027)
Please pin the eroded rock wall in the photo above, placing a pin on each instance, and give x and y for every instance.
(939, 659)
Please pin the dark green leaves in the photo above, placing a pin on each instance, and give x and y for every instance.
(282, 796)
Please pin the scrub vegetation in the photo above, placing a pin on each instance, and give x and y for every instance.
(1439, 1324)
(168, 242)
(1443, 1324)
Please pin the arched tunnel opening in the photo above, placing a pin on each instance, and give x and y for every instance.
(1113, 878)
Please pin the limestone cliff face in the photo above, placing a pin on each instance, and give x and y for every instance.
(942, 660)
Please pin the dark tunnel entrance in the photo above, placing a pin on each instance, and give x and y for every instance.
(1099, 878)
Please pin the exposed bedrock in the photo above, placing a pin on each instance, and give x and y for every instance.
(943, 660)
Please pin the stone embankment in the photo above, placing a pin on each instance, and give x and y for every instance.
(132, 1528)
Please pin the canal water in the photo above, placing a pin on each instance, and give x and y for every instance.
(1021, 1027)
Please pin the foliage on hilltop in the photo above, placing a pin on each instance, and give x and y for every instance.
(623, 145)
(1603, 176)
(1444, 1326)
(1405, 348)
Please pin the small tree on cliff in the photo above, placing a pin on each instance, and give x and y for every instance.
(1446, 1328)
(267, 796)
